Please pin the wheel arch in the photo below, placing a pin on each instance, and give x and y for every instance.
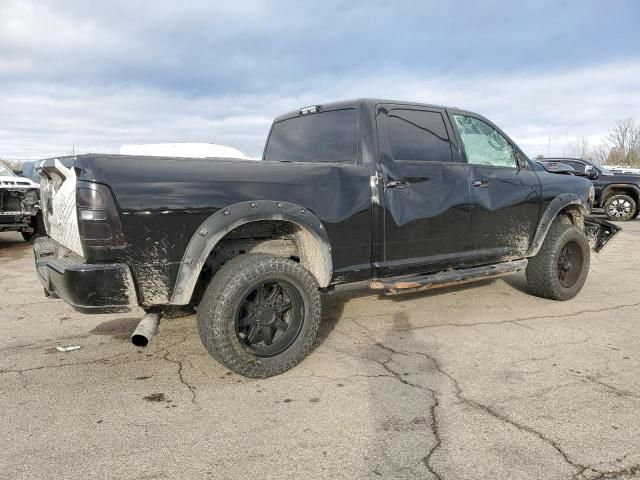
(620, 188)
(569, 204)
(310, 236)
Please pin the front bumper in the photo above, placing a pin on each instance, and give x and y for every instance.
(88, 288)
(16, 222)
(600, 232)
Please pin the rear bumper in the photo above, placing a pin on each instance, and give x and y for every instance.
(88, 288)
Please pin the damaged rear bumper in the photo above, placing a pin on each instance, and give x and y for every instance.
(600, 232)
(88, 288)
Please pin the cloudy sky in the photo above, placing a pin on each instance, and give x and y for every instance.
(96, 75)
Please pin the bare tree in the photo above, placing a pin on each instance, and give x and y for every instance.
(624, 143)
(579, 149)
(599, 154)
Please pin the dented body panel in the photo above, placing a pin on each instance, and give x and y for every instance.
(370, 217)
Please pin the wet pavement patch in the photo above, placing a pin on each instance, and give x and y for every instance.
(119, 329)
(155, 397)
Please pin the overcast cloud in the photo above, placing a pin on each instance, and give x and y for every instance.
(96, 75)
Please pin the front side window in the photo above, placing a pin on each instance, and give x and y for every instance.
(577, 166)
(483, 144)
(418, 135)
(321, 137)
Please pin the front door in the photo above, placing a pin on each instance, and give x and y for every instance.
(426, 190)
(505, 191)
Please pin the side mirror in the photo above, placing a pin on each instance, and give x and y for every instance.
(522, 162)
(591, 172)
(18, 172)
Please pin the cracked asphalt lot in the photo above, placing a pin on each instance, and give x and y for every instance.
(474, 382)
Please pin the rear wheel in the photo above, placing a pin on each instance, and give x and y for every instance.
(560, 268)
(28, 236)
(620, 207)
(260, 315)
(37, 223)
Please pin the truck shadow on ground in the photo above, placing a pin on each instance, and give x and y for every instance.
(518, 281)
(12, 244)
(333, 305)
(118, 329)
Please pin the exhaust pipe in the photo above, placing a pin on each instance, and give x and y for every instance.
(145, 330)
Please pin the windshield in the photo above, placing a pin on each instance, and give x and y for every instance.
(29, 171)
(5, 171)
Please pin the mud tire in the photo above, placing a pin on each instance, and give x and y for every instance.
(218, 313)
(544, 271)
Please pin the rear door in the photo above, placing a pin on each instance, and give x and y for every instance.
(505, 191)
(426, 190)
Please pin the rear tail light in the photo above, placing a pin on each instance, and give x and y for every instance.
(99, 220)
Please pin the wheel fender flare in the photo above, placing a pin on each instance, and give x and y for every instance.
(556, 205)
(214, 228)
(620, 186)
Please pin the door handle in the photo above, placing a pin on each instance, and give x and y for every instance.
(481, 183)
(397, 184)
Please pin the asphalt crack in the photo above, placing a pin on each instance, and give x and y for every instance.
(499, 416)
(436, 403)
(458, 393)
(183, 381)
(616, 391)
(612, 474)
(525, 319)
(103, 361)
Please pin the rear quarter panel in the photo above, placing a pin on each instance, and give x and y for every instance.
(163, 201)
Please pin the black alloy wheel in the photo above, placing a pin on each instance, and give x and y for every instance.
(570, 264)
(269, 318)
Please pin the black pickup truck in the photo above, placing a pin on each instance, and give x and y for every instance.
(617, 193)
(403, 195)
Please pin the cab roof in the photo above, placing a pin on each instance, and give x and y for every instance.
(355, 103)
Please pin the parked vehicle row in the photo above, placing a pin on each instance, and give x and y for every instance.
(617, 193)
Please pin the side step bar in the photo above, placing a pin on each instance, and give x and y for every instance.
(418, 282)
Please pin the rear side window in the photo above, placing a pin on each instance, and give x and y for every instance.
(320, 137)
(418, 135)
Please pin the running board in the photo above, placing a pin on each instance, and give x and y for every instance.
(418, 282)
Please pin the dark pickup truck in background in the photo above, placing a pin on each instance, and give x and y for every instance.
(617, 193)
(404, 195)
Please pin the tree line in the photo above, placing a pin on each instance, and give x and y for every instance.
(620, 147)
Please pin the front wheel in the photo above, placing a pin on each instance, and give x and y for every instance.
(560, 268)
(620, 207)
(260, 315)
